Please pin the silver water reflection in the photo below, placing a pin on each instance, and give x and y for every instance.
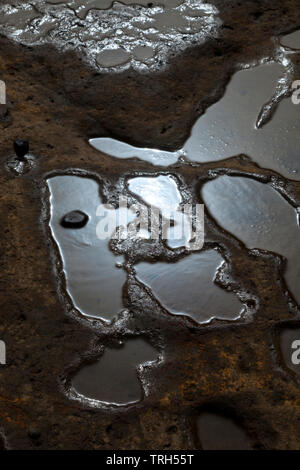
(113, 379)
(187, 287)
(162, 192)
(291, 40)
(122, 150)
(229, 128)
(93, 281)
(258, 216)
(218, 432)
(111, 34)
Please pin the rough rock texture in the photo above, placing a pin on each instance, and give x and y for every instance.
(56, 102)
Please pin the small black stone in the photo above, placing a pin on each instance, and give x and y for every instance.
(74, 219)
(21, 147)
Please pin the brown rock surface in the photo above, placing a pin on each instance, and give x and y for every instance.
(56, 103)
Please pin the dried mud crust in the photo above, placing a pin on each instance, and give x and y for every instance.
(56, 102)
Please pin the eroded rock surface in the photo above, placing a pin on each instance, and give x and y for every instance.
(56, 101)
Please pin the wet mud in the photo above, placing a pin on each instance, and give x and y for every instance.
(111, 34)
(114, 380)
(93, 279)
(235, 362)
(291, 40)
(243, 121)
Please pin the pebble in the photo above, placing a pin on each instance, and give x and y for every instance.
(74, 219)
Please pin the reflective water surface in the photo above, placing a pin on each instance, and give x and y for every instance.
(113, 379)
(291, 40)
(229, 128)
(187, 288)
(258, 216)
(162, 192)
(217, 432)
(93, 281)
(122, 150)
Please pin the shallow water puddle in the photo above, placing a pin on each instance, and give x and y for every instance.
(290, 348)
(218, 432)
(83, 7)
(113, 57)
(143, 53)
(114, 379)
(162, 192)
(93, 281)
(187, 288)
(258, 216)
(229, 128)
(291, 40)
(110, 34)
(120, 149)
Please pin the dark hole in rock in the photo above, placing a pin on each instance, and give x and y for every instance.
(258, 216)
(162, 192)
(217, 432)
(187, 287)
(291, 40)
(2, 442)
(93, 281)
(34, 433)
(229, 127)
